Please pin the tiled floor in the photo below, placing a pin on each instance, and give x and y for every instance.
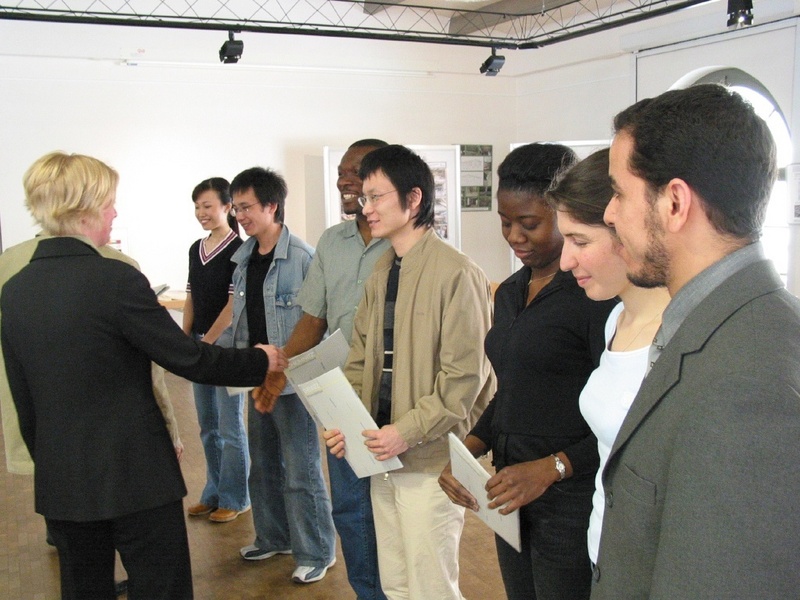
(29, 568)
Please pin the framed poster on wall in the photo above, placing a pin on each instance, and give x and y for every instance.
(476, 177)
(444, 162)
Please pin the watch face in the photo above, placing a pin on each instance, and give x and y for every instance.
(562, 470)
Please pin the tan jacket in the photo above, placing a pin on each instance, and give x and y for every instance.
(18, 460)
(442, 380)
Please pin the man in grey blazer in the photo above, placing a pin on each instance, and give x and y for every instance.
(703, 481)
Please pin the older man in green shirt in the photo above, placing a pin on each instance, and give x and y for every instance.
(344, 259)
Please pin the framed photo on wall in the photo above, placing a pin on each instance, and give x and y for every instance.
(476, 177)
(444, 162)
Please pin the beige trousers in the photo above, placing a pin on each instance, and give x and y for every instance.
(418, 531)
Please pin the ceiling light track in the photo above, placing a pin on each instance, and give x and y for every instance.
(396, 22)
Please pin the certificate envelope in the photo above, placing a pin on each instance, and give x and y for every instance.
(328, 354)
(335, 405)
(325, 356)
(473, 476)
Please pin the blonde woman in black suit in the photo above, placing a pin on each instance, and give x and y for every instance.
(78, 334)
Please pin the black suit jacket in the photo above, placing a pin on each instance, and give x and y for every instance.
(78, 334)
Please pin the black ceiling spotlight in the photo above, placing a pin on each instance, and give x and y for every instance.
(492, 65)
(231, 50)
(740, 13)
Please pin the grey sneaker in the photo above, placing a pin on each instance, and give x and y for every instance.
(310, 574)
(252, 552)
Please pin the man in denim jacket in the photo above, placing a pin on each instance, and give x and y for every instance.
(291, 507)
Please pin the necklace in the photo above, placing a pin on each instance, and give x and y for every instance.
(542, 277)
(641, 329)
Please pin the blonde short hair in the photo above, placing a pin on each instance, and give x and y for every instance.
(63, 189)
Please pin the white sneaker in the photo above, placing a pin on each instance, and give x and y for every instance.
(252, 552)
(310, 574)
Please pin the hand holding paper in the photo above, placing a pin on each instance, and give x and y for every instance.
(334, 440)
(520, 484)
(334, 403)
(385, 442)
(469, 472)
(457, 493)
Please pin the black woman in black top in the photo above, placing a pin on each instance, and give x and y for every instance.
(546, 340)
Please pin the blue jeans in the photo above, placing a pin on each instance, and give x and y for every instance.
(291, 506)
(224, 439)
(352, 514)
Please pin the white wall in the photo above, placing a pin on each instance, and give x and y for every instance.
(166, 126)
(180, 116)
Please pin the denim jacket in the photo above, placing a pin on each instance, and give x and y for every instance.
(281, 286)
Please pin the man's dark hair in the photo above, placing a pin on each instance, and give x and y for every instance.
(532, 168)
(406, 170)
(267, 185)
(368, 143)
(711, 138)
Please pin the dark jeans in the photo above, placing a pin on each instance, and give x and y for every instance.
(352, 515)
(554, 563)
(152, 545)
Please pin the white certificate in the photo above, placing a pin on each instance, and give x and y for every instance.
(473, 476)
(335, 405)
(325, 356)
(328, 354)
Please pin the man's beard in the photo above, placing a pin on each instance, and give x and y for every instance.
(655, 268)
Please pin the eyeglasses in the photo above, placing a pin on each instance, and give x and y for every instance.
(241, 209)
(364, 200)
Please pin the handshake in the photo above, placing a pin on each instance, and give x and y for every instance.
(266, 395)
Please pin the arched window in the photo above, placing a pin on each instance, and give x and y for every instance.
(775, 234)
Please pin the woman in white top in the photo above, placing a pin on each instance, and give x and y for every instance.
(593, 253)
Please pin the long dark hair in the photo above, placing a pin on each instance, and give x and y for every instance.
(584, 190)
(221, 186)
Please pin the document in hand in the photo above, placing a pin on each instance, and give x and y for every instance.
(473, 476)
(333, 403)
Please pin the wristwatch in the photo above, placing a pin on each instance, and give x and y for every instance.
(562, 470)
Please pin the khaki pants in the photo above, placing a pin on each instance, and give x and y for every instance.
(418, 531)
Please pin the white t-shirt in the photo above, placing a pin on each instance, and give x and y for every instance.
(604, 403)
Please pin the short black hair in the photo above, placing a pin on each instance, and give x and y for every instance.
(711, 138)
(406, 170)
(532, 168)
(368, 143)
(268, 186)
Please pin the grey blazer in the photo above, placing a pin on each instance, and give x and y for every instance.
(703, 482)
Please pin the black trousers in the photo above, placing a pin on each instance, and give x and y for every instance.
(153, 547)
(554, 563)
